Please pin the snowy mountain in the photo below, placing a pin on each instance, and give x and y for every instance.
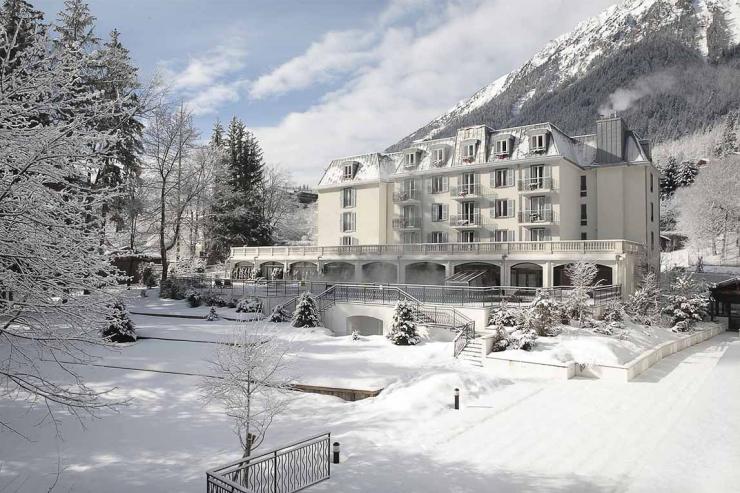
(617, 61)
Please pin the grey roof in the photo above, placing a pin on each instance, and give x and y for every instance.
(580, 150)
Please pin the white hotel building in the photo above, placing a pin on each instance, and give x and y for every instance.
(509, 207)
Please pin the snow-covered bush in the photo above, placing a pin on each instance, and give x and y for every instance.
(215, 300)
(687, 303)
(403, 330)
(608, 328)
(171, 289)
(505, 316)
(249, 305)
(543, 316)
(644, 304)
(355, 335)
(148, 278)
(232, 303)
(613, 311)
(279, 315)
(525, 339)
(193, 298)
(500, 339)
(118, 326)
(582, 276)
(212, 315)
(306, 313)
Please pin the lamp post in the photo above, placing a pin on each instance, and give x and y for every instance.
(457, 398)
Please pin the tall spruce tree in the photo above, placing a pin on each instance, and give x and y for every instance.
(237, 217)
(668, 178)
(20, 22)
(75, 26)
(728, 145)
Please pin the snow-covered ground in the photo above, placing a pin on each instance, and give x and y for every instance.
(584, 346)
(672, 429)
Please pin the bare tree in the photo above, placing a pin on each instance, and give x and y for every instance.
(55, 280)
(178, 171)
(277, 202)
(251, 382)
(582, 275)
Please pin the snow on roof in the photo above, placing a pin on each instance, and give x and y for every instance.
(580, 150)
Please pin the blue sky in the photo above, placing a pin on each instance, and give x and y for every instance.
(321, 79)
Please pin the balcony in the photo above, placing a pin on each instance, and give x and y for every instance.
(466, 221)
(403, 196)
(471, 191)
(406, 223)
(537, 216)
(538, 184)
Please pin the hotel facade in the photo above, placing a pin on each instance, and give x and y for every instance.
(486, 207)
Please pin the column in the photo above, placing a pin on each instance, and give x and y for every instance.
(400, 272)
(547, 275)
(358, 271)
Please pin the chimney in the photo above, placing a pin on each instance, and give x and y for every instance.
(610, 134)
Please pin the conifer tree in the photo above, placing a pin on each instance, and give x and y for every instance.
(403, 331)
(306, 312)
(75, 26)
(668, 174)
(237, 216)
(728, 145)
(22, 23)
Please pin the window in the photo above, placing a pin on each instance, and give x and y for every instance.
(503, 178)
(536, 176)
(652, 240)
(584, 217)
(467, 184)
(439, 213)
(347, 222)
(469, 213)
(348, 197)
(538, 142)
(502, 147)
(437, 237)
(438, 157)
(469, 152)
(468, 237)
(348, 241)
(583, 186)
(349, 171)
(538, 234)
(651, 183)
(652, 212)
(503, 208)
(410, 237)
(410, 159)
(440, 184)
(584, 235)
(503, 235)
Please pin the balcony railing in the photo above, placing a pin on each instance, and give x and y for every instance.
(401, 223)
(414, 249)
(535, 184)
(468, 191)
(466, 220)
(537, 216)
(406, 195)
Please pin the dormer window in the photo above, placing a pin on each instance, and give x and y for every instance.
(538, 142)
(350, 169)
(438, 157)
(410, 161)
(502, 147)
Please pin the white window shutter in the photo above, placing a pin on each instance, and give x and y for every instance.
(429, 185)
(509, 177)
(510, 208)
(445, 212)
(353, 192)
(492, 210)
(445, 183)
(444, 237)
(492, 183)
(476, 179)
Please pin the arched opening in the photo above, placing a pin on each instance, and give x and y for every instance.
(242, 270)
(489, 274)
(425, 273)
(272, 270)
(604, 275)
(379, 272)
(366, 326)
(339, 272)
(303, 271)
(526, 275)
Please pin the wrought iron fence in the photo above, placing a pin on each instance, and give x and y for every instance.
(282, 470)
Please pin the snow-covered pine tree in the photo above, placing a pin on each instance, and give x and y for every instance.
(306, 312)
(686, 175)
(728, 145)
(47, 149)
(75, 26)
(237, 216)
(668, 178)
(279, 315)
(403, 330)
(22, 24)
(644, 304)
(582, 275)
(118, 326)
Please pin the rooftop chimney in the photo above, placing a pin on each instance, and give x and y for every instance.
(610, 135)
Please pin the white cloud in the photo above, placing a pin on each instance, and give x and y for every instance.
(338, 52)
(412, 75)
(209, 99)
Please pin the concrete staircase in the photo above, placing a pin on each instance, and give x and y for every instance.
(473, 352)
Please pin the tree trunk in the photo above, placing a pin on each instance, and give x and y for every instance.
(162, 246)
